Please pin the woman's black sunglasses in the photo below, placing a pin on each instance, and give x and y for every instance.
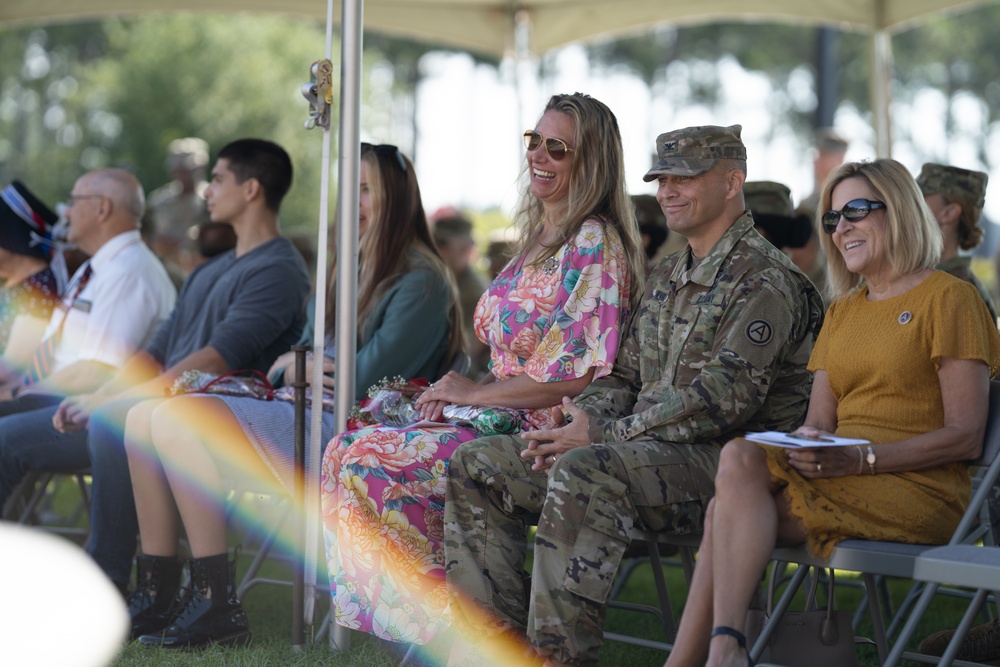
(386, 150)
(853, 211)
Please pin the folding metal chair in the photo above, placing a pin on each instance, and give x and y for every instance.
(960, 565)
(892, 559)
(32, 503)
(686, 545)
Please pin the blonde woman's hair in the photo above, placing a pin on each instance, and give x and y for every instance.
(596, 188)
(912, 237)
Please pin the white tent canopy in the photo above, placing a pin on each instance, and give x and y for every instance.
(486, 26)
(490, 26)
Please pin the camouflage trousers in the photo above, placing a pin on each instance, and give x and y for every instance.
(585, 507)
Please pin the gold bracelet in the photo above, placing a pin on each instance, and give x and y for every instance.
(861, 460)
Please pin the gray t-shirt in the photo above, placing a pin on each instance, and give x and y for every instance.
(249, 309)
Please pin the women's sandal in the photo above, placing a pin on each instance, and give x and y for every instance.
(735, 634)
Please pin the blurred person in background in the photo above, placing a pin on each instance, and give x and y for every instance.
(774, 218)
(453, 238)
(831, 149)
(956, 197)
(179, 206)
(500, 249)
(652, 225)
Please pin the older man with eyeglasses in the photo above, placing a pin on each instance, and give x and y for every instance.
(111, 305)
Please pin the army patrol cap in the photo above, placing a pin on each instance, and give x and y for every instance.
(770, 203)
(694, 150)
(964, 185)
(451, 227)
(768, 198)
(187, 153)
(831, 141)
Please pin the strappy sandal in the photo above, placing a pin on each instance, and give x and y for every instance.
(735, 634)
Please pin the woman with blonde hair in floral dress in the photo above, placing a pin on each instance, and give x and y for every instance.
(552, 319)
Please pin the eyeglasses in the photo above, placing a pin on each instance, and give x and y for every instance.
(386, 150)
(853, 211)
(556, 148)
(72, 199)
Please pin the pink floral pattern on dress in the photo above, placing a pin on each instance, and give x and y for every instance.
(383, 489)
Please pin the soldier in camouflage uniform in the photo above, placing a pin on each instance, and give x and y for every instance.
(718, 347)
(956, 197)
(770, 204)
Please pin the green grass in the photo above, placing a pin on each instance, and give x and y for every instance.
(269, 610)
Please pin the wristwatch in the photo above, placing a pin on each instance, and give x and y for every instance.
(871, 459)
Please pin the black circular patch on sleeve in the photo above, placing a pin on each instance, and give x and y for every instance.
(759, 332)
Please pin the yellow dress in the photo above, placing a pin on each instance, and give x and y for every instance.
(881, 358)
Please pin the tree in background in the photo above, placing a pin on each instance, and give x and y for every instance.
(116, 92)
(401, 58)
(952, 56)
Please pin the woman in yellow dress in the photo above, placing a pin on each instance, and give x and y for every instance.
(904, 361)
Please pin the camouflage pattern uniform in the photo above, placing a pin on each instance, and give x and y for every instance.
(718, 347)
(961, 267)
(968, 189)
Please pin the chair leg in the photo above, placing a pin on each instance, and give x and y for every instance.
(875, 611)
(656, 562)
(910, 626)
(968, 618)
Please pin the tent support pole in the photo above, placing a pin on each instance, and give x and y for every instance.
(347, 228)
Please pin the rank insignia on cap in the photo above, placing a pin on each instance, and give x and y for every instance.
(759, 332)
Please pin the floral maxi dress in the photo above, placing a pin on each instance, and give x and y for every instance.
(383, 488)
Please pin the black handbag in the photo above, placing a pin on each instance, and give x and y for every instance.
(814, 637)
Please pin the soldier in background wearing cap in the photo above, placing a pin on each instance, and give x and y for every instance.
(956, 197)
(718, 347)
(178, 208)
(774, 218)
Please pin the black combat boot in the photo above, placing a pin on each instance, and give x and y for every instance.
(208, 612)
(157, 581)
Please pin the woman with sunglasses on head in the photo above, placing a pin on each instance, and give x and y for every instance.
(551, 319)
(903, 362)
(409, 325)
